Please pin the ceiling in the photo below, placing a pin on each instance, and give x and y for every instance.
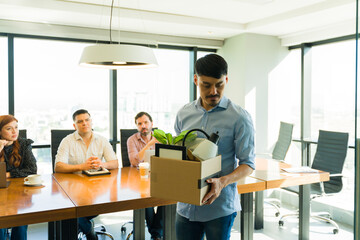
(292, 21)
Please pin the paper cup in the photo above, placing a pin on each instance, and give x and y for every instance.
(144, 169)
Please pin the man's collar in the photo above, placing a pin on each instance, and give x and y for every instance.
(78, 137)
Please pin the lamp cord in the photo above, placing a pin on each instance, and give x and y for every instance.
(111, 13)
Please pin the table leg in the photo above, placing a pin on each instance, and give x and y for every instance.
(69, 229)
(304, 211)
(169, 222)
(139, 224)
(247, 219)
(259, 210)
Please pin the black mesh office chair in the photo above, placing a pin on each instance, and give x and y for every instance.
(124, 135)
(279, 152)
(330, 157)
(57, 136)
(22, 133)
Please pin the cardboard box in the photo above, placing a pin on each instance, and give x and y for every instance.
(182, 180)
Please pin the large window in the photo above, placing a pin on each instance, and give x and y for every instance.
(3, 76)
(159, 91)
(332, 104)
(50, 86)
(284, 101)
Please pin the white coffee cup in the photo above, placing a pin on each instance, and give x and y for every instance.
(144, 169)
(205, 150)
(33, 179)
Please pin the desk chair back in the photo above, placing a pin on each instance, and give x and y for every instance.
(22, 133)
(57, 136)
(330, 157)
(124, 135)
(284, 140)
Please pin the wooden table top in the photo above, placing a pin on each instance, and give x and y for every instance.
(269, 170)
(21, 204)
(122, 190)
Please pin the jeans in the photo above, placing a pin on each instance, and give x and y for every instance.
(217, 229)
(154, 221)
(17, 233)
(85, 224)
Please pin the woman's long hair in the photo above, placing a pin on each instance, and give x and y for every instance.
(15, 158)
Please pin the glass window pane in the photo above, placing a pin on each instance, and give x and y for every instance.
(4, 76)
(284, 101)
(159, 91)
(50, 86)
(332, 105)
(332, 88)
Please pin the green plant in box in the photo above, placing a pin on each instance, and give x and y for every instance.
(167, 138)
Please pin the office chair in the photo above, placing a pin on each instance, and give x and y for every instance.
(329, 157)
(57, 136)
(279, 152)
(124, 135)
(22, 133)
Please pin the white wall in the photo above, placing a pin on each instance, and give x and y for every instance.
(251, 58)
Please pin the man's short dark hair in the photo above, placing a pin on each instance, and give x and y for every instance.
(140, 114)
(211, 65)
(78, 112)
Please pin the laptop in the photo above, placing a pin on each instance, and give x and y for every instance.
(3, 182)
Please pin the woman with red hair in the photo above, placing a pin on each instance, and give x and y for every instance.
(20, 161)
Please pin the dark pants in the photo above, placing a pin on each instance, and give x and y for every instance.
(17, 233)
(154, 221)
(85, 224)
(217, 229)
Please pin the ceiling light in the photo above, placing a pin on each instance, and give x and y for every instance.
(113, 56)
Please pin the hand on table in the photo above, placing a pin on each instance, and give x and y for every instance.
(92, 163)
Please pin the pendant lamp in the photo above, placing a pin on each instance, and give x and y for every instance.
(113, 56)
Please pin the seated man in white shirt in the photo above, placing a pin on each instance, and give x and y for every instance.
(84, 150)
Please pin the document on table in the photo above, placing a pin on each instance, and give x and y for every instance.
(300, 170)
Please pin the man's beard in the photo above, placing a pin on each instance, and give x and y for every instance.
(145, 133)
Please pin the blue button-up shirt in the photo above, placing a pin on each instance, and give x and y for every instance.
(236, 131)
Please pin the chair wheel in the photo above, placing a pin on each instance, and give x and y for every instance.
(335, 231)
(281, 223)
(277, 214)
(123, 229)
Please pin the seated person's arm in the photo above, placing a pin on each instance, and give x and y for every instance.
(61, 167)
(136, 156)
(62, 159)
(110, 158)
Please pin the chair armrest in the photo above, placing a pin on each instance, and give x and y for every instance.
(336, 175)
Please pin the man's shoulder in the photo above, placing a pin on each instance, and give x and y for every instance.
(70, 137)
(133, 137)
(187, 107)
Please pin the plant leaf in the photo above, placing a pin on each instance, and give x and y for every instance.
(169, 138)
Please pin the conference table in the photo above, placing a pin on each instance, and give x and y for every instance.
(65, 197)
(22, 205)
(271, 171)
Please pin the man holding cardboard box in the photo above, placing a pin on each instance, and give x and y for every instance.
(137, 145)
(213, 112)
